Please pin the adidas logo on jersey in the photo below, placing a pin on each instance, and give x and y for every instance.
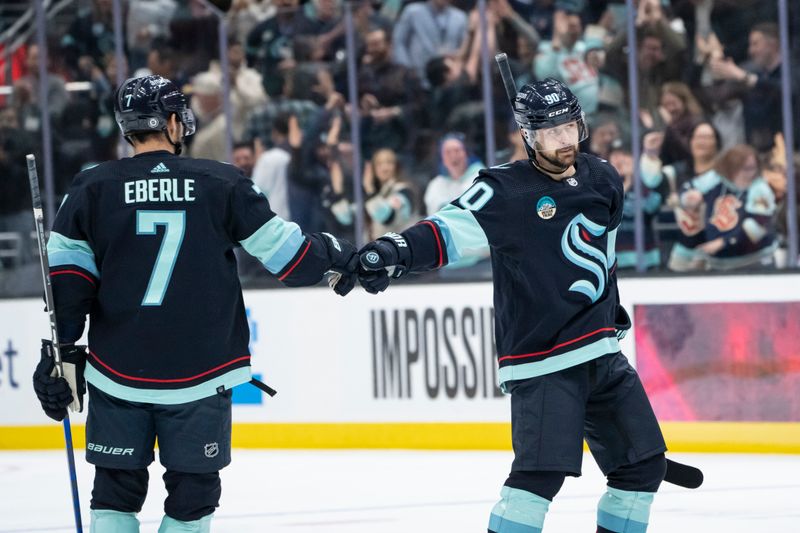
(161, 167)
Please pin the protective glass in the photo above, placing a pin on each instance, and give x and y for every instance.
(556, 137)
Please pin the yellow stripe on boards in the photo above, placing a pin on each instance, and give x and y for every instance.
(739, 437)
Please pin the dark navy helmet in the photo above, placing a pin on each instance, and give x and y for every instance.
(549, 116)
(145, 104)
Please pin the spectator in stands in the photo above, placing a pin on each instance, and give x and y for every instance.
(603, 131)
(671, 181)
(457, 171)
(306, 88)
(247, 93)
(26, 93)
(758, 83)
(162, 60)
(209, 139)
(680, 111)
(739, 207)
(391, 98)
(426, 30)
(244, 157)
(244, 15)
(16, 222)
(323, 22)
(91, 35)
(621, 159)
(390, 199)
(516, 146)
(563, 58)
(506, 28)
(272, 166)
(660, 51)
(314, 153)
(269, 44)
(450, 87)
(147, 20)
(610, 94)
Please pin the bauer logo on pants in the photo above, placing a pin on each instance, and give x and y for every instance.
(211, 450)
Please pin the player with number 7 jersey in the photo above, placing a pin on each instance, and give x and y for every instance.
(145, 247)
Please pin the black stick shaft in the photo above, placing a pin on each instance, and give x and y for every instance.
(507, 77)
(38, 216)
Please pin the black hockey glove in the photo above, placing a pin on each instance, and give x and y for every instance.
(344, 264)
(56, 394)
(381, 260)
(622, 323)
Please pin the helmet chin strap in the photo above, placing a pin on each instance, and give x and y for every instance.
(178, 145)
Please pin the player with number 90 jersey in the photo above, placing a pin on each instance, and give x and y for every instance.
(553, 262)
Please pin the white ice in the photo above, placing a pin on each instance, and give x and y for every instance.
(408, 491)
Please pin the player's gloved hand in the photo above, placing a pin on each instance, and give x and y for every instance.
(344, 264)
(622, 322)
(54, 393)
(381, 260)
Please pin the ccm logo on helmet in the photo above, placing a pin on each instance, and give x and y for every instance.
(552, 114)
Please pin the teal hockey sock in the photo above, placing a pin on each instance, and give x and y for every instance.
(108, 521)
(623, 511)
(518, 511)
(170, 525)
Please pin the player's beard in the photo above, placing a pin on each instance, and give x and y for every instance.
(560, 160)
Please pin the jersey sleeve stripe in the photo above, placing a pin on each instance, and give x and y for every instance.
(299, 259)
(462, 234)
(62, 250)
(74, 272)
(437, 234)
(275, 243)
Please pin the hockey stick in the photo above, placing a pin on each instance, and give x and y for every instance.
(48, 294)
(507, 77)
(683, 475)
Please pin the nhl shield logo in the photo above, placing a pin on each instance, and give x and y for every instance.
(546, 208)
(211, 449)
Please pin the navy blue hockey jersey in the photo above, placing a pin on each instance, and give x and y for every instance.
(144, 245)
(552, 248)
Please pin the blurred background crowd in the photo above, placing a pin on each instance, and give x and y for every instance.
(713, 164)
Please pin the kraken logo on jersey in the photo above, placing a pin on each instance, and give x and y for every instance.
(574, 240)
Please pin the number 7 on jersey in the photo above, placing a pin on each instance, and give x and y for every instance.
(174, 223)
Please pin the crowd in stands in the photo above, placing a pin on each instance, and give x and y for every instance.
(713, 158)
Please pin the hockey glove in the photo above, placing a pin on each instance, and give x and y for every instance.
(344, 264)
(54, 393)
(622, 323)
(381, 260)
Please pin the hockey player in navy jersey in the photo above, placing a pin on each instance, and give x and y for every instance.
(550, 222)
(144, 246)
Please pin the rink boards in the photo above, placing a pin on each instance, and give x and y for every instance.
(414, 367)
